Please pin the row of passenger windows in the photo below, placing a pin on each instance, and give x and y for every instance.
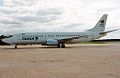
(51, 36)
(66, 35)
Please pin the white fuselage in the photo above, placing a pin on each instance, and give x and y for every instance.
(41, 38)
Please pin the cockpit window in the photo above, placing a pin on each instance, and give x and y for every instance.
(9, 36)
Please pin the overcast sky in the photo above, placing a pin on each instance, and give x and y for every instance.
(1, 2)
(57, 15)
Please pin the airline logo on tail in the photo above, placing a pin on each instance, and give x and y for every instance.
(102, 23)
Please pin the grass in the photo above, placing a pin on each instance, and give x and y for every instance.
(92, 42)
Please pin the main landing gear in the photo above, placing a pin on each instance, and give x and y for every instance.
(61, 46)
(58, 45)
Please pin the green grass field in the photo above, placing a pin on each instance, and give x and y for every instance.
(92, 42)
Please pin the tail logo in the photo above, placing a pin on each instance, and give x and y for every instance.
(102, 23)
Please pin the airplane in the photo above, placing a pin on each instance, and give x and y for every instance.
(59, 39)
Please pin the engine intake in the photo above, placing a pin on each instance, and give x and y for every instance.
(51, 42)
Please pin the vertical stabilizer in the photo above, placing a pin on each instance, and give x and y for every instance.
(100, 26)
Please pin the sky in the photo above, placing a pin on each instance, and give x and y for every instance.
(18, 16)
(1, 2)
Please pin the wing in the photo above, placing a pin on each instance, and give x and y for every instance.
(64, 40)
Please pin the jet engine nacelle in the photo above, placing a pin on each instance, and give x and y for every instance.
(51, 42)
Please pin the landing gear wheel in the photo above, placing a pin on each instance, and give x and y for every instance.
(15, 46)
(58, 46)
(63, 46)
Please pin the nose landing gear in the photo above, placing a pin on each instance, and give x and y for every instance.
(15, 47)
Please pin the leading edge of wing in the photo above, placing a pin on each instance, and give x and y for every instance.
(63, 40)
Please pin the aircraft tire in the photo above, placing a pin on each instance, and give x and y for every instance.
(63, 46)
(58, 46)
(15, 46)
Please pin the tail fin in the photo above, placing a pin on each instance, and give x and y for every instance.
(100, 26)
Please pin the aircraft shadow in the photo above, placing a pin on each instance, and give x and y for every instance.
(34, 48)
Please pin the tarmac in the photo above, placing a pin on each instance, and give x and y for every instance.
(74, 61)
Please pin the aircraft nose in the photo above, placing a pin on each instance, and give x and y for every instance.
(7, 40)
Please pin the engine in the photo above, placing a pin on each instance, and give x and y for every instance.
(51, 42)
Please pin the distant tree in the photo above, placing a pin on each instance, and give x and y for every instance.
(2, 36)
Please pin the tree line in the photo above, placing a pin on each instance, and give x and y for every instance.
(2, 37)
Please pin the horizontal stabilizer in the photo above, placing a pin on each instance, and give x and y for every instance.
(109, 31)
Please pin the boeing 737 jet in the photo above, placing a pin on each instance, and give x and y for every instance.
(59, 39)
